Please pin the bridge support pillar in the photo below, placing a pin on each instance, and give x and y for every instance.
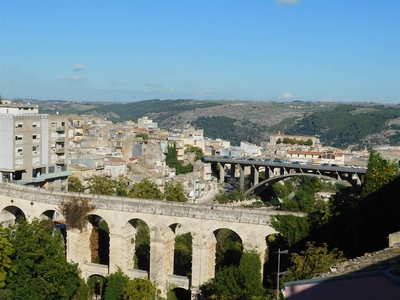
(122, 250)
(78, 248)
(260, 248)
(162, 244)
(203, 260)
(233, 169)
(241, 180)
(254, 175)
(221, 173)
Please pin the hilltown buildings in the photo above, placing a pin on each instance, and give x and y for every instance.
(43, 150)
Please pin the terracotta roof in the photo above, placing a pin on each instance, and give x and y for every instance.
(116, 160)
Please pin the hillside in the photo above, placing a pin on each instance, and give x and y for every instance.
(338, 124)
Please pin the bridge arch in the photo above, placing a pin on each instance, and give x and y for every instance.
(162, 218)
(231, 256)
(99, 240)
(97, 285)
(260, 187)
(136, 244)
(10, 214)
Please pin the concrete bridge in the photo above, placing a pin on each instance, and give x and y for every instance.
(280, 171)
(166, 220)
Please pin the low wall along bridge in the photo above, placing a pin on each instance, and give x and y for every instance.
(165, 220)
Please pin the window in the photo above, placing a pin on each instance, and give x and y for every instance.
(35, 137)
(18, 137)
(19, 151)
(18, 125)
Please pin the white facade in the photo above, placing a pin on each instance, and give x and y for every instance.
(250, 149)
(34, 147)
(145, 122)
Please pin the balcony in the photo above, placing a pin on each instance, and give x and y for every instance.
(60, 128)
(60, 161)
(60, 150)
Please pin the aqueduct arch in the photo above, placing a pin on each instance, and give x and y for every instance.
(252, 225)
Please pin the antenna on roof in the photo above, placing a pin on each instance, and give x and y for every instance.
(12, 87)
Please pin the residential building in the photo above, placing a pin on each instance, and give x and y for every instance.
(34, 147)
(146, 123)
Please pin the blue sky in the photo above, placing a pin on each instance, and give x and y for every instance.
(128, 50)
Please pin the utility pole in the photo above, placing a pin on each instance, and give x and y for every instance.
(279, 273)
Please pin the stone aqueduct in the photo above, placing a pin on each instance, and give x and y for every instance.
(165, 220)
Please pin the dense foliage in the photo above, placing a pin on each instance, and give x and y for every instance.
(116, 283)
(42, 270)
(196, 150)
(379, 173)
(101, 185)
(293, 228)
(6, 267)
(75, 210)
(171, 160)
(346, 124)
(312, 261)
(237, 282)
(75, 185)
(145, 189)
(229, 129)
(174, 191)
(294, 142)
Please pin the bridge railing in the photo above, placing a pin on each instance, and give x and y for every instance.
(148, 206)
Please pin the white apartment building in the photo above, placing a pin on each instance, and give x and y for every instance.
(147, 123)
(34, 147)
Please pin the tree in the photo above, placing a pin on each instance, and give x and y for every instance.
(101, 185)
(116, 283)
(75, 185)
(196, 150)
(171, 160)
(42, 268)
(6, 267)
(174, 191)
(75, 210)
(242, 282)
(141, 289)
(250, 274)
(145, 189)
(121, 185)
(144, 136)
(293, 228)
(380, 172)
(312, 261)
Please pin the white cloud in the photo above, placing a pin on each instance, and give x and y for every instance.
(79, 67)
(287, 2)
(285, 96)
(72, 78)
